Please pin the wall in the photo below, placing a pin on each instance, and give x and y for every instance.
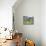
(29, 8)
(43, 22)
(6, 13)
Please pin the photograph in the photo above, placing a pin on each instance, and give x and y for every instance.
(28, 20)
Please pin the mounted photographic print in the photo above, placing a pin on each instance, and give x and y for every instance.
(27, 20)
